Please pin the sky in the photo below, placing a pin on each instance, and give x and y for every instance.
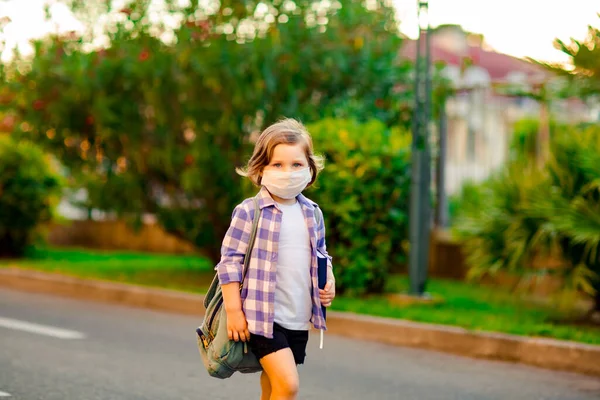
(522, 28)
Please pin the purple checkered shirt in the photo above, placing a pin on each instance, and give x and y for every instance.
(258, 291)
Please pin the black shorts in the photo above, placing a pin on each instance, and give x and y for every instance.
(282, 338)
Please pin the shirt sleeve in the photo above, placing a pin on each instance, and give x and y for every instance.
(233, 250)
(321, 245)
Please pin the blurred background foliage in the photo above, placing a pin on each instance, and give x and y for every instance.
(536, 222)
(151, 109)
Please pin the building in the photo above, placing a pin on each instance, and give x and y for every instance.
(489, 99)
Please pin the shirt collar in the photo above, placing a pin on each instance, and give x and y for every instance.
(264, 198)
(306, 202)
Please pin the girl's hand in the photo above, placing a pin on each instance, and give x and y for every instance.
(237, 326)
(328, 294)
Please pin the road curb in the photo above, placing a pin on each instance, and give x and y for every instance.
(545, 353)
(103, 291)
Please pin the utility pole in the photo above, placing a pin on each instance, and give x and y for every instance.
(420, 201)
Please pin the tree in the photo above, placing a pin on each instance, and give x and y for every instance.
(157, 120)
(584, 73)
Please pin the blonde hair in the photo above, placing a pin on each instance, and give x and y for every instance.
(287, 131)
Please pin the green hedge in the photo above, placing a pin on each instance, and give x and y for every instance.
(28, 187)
(364, 194)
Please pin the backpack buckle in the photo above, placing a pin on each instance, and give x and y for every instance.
(204, 341)
(202, 337)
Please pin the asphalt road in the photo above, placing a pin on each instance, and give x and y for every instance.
(54, 348)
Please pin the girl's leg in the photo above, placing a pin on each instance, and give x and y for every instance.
(265, 387)
(280, 368)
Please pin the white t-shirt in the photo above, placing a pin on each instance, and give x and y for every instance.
(293, 301)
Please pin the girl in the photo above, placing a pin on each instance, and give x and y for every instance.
(280, 297)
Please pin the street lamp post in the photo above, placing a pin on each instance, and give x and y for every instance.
(420, 202)
(441, 203)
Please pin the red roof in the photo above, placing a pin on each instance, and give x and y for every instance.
(498, 65)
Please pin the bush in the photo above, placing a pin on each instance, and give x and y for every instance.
(148, 126)
(523, 142)
(364, 194)
(570, 207)
(523, 214)
(497, 235)
(27, 187)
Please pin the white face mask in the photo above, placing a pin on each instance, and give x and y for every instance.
(286, 185)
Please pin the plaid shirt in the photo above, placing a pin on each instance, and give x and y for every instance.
(258, 291)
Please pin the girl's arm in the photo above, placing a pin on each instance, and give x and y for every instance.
(237, 326)
(233, 249)
(229, 271)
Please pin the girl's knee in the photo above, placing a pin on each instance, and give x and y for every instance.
(287, 388)
(282, 373)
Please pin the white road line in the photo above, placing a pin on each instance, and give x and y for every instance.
(4, 394)
(40, 329)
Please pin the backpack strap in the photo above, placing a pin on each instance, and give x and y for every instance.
(251, 240)
(214, 287)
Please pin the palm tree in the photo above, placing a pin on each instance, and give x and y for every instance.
(570, 207)
(524, 214)
(585, 57)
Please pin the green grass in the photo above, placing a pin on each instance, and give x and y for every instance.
(183, 272)
(472, 306)
(479, 308)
